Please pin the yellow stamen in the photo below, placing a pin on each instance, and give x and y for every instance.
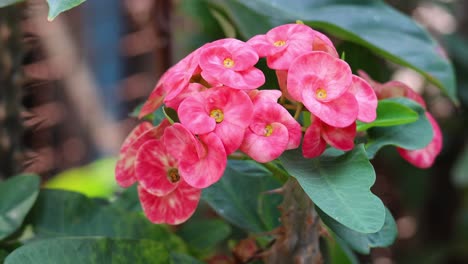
(268, 130)
(228, 63)
(279, 43)
(218, 115)
(321, 93)
(173, 175)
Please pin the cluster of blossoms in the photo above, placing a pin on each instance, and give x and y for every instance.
(220, 110)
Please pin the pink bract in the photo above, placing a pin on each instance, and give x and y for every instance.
(271, 132)
(179, 75)
(155, 99)
(125, 169)
(321, 82)
(319, 134)
(282, 44)
(174, 208)
(201, 161)
(425, 157)
(264, 95)
(155, 169)
(231, 62)
(393, 89)
(323, 43)
(226, 112)
(366, 98)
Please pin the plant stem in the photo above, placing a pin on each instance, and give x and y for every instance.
(297, 239)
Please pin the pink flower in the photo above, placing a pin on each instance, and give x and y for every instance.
(226, 112)
(190, 90)
(422, 158)
(125, 169)
(155, 99)
(230, 62)
(323, 43)
(282, 44)
(425, 157)
(393, 89)
(264, 95)
(319, 134)
(179, 75)
(202, 161)
(271, 132)
(173, 208)
(366, 98)
(321, 82)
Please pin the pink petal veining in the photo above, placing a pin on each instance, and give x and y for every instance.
(173, 208)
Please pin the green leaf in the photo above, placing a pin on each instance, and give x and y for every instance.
(240, 199)
(411, 136)
(214, 231)
(184, 259)
(90, 250)
(63, 213)
(361, 242)
(17, 196)
(340, 186)
(128, 200)
(58, 6)
(4, 3)
(390, 113)
(370, 23)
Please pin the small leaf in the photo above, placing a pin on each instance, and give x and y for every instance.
(340, 186)
(240, 199)
(411, 136)
(128, 200)
(58, 6)
(361, 242)
(17, 196)
(213, 232)
(390, 113)
(90, 250)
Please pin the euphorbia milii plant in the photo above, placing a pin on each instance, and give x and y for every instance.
(222, 109)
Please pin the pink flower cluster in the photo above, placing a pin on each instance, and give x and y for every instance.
(309, 71)
(220, 110)
(421, 158)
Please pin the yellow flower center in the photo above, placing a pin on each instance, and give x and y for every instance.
(321, 94)
(173, 175)
(279, 43)
(218, 115)
(228, 63)
(268, 130)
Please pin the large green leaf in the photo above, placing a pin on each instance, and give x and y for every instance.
(214, 231)
(360, 242)
(90, 250)
(411, 136)
(17, 196)
(340, 186)
(390, 113)
(370, 23)
(58, 6)
(240, 199)
(64, 213)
